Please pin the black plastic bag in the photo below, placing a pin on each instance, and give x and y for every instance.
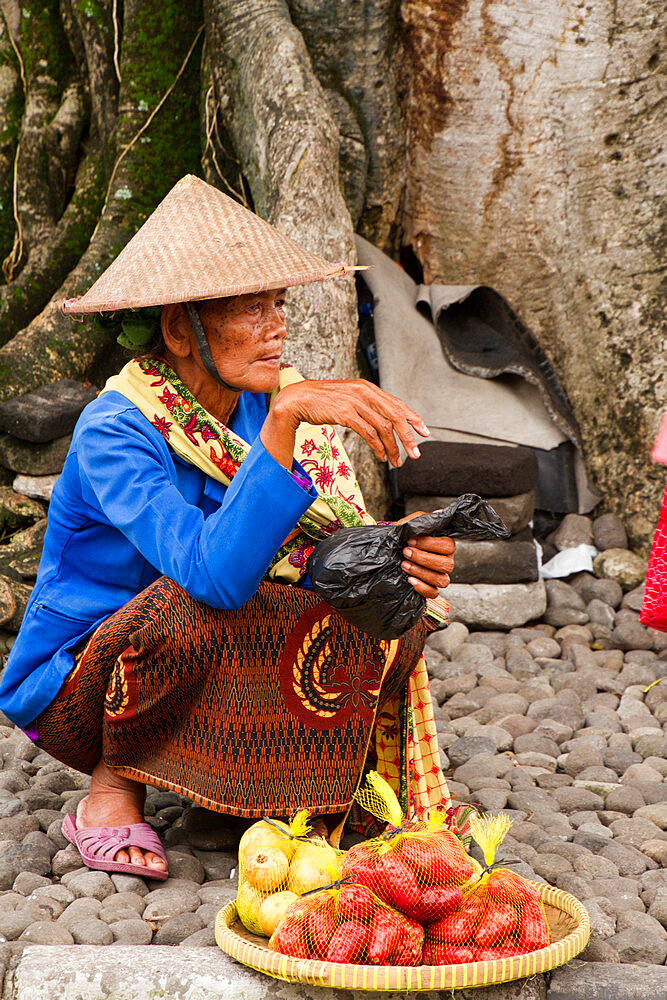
(358, 570)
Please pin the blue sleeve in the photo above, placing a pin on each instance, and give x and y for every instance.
(219, 560)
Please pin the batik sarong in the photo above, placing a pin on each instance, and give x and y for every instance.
(262, 710)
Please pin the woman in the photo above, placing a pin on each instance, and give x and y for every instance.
(161, 644)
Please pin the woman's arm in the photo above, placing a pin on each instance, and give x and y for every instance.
(378, 417)
(370, 411)
(129, 477)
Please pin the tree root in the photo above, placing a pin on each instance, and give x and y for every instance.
(11, 108)
(353, 48)
(156, 38)
(50, 263)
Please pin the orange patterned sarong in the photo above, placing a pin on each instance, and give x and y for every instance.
(274, 707)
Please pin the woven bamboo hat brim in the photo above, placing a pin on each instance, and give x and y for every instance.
(200, 244)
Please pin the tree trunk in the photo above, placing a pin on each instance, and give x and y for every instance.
(534, 129)
(287, 143)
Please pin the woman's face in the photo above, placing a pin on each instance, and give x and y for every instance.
(246, 334)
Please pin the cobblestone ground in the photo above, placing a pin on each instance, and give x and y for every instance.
(560, 724)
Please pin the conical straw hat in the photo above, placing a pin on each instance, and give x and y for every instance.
(200, 244)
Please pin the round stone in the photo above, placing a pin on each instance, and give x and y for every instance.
(27, 882)
(163, 904)
(609, 532)
(449, 639)
(544, 647)
(45, 932)
(91, 931)
(93, 884)
(656, 850)
(132, 931)
(185, 866)
(13, 924)
(467, 747)
(621, 565)
(574, 530)
(571, 799)
(601, 613)
(636, 945)
(625, 799)
(655, 813)
(178, 928)
(205, 938)
(80, 909)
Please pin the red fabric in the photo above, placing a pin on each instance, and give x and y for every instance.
(654, 606)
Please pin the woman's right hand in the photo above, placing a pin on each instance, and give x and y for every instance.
(377, 416)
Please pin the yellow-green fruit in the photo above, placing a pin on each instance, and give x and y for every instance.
(266, 869)
(248, 904)
(261, 836)
(312, 867)
(273, 909)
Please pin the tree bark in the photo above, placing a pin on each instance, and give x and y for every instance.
(156, 38)
(534, 130)
(287, 142)
(51, 126)
(96, 28)
(353, 46)
(51, 261)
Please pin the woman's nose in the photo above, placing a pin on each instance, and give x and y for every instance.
(275, 322)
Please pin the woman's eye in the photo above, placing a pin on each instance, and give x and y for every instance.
(280, 304)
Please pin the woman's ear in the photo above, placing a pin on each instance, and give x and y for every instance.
(176, 330)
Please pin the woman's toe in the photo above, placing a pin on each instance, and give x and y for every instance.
(137, 856)
(155, 861)
(123, 858)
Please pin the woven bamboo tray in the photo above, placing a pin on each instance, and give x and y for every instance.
(567, 919)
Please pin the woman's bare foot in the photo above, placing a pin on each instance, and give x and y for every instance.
(319, 827)
(116, 801)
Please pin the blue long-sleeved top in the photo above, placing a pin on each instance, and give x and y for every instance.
(126, 510)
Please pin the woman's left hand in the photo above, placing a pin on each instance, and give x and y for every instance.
(428, 561)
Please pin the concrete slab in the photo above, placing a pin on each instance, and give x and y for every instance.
(599, 981)
(81, 972)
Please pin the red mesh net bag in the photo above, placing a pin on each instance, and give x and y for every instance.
(419, 869)
(500, 915)
(346, 922)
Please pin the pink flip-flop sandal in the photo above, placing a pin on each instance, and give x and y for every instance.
(99, 845)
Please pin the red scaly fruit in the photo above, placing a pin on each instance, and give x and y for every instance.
(436, 902)
(396, 883)
(356, 902)
(533, 928)
(320, 925)
(496, 925)
(436, 953)
(458, 927)
(505, 886)
(362, 861)
(348, 942)
(408, 951)
(437, 858)
(385, 935)
(290, 939)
